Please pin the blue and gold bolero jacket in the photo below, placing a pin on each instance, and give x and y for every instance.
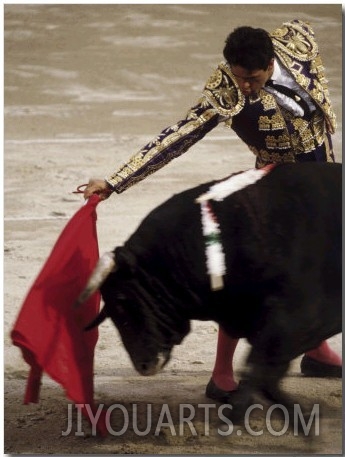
(271, 133)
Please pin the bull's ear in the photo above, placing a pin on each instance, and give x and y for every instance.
(125, 260)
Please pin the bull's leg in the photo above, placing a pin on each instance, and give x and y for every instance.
(265, 378)
(268, 363)
(274, 344)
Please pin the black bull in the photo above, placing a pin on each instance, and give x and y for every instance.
(282, 238)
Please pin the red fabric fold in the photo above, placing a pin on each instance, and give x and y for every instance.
(48, 330)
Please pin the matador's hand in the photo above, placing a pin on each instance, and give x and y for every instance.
(99, 187)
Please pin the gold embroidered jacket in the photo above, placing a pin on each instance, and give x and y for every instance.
(271, 133)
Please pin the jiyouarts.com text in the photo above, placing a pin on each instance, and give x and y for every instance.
(144, 420)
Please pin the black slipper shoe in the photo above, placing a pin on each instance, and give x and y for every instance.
(224, 396)
(240, 400)
(215, 393)
(314, 369)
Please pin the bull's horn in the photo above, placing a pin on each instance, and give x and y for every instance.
(105, 265)
(97, 321)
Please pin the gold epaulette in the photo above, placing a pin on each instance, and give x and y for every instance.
(295, 40)
(223, 93)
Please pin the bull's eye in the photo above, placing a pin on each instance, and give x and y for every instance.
(120, 310)
(120, 296)
(121, 304)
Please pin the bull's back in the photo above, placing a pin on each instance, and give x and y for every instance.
(296, 209)
(292, 200)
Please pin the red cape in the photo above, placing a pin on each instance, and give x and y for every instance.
(48, 330)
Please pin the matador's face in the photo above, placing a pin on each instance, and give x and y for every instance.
(250, 82)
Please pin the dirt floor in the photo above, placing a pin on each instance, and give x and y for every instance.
(85, 87)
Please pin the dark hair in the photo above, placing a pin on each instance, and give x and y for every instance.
(249, 48)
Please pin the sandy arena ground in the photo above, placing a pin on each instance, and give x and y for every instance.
(85, 87)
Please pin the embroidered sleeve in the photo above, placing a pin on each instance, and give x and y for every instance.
(170, 143)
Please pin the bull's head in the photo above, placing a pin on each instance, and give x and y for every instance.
(137, 309)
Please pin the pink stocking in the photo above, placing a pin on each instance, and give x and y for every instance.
(223, 375)
(325, 354)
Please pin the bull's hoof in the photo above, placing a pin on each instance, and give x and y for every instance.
(314, 369)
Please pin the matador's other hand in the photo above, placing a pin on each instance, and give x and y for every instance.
(99, 187)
